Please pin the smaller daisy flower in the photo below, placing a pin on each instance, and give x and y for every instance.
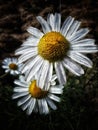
(34, 98)
(11, 65)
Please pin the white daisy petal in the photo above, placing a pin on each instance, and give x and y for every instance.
(36, 108)
(12, 72)
(5, 61)
(23, 100)
(51, 22)
(29, 64)
(51, 104)
(26, 65)
(26, 104)
(44, 24)
(22, 79)
(54, 97)
(31, 107)
(45, 106)
(23, 84)
(33, 70)
(83, 42)
(44, 74)
(30, 51)
(14, 60)
(73, 67)
(80, 58)
(24, 57)
(31, 41)
(40, 106)
(35, 67)
(5, 67)
(7, 70)
(23, 49)
(85, 49)
(17, 89)
(66, 25)
(54, 77)
(37, 76)
(56, 90)
(57, 21)
(49, 75)
(17, 95)
(17, 72)
(53, 83)
(79, 34)
(35, 32)
(74, 27)
(60, 72)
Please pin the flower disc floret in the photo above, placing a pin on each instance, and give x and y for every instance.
(53, 46)
(13, 66)
(36, 92)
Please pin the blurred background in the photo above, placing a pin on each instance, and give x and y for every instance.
(78, 109)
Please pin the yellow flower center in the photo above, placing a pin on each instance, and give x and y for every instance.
(36, 92)
(13, 66)
(53, 46)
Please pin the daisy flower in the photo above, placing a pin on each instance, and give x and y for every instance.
(34, 98)
(56, 48)
(12, 66)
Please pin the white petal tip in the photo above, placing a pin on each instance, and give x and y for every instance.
(29, 29)
(90, 66)
(18, 103)
(13, 97)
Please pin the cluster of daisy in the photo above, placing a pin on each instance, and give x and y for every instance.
(44, 58)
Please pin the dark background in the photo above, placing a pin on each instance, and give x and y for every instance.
(78, 109)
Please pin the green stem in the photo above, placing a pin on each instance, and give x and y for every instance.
(2, 76)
